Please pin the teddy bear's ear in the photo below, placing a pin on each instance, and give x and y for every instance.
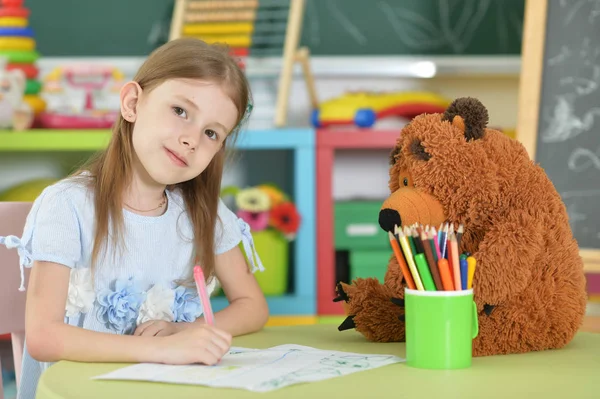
(469, 115)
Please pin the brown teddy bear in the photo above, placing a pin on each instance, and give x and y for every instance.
(529, 284)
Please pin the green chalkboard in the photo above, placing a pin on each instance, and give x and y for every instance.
(413, 27)
(331, 27)
(97, 28)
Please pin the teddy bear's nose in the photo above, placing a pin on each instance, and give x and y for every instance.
(388, 218)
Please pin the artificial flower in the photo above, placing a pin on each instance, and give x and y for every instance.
(81, 295)
(276, 196)
(285, 218)
(186, 304)
(252, 200)
(157, 305)
(119, 307)
(256, 220)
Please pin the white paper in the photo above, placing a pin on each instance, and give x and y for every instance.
(258, 370)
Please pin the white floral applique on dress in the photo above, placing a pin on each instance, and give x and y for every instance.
(81, 295)
(158, 305)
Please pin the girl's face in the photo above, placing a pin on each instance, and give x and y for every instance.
(179, 127)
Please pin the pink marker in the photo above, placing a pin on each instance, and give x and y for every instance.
(203, 295)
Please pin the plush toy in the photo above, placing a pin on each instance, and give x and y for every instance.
(14, 112)
(529, 285)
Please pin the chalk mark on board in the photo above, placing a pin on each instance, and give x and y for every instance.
(564, 124)
(589, 73)
(561, 57)
(590, 159)
(593, 14)
(454, 31)
(348, 26)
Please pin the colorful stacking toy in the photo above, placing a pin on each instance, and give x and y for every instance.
(18, 47)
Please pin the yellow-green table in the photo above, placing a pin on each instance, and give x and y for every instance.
(572, 372)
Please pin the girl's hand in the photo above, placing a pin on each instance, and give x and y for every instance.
(198, 343)
(157, 328)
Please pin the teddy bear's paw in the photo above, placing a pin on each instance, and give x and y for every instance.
(341, 290)
(373, 311)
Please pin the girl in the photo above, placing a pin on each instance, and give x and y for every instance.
(113, 246)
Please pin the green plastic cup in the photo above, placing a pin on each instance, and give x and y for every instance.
(440, 328)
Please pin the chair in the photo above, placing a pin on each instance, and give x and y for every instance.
(12, 301)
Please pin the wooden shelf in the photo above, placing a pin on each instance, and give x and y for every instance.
(42, 140)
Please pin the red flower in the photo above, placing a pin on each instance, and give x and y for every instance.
(285, 218)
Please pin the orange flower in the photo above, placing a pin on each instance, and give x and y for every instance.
(285, 218)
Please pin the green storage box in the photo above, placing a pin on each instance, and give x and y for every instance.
(369, 263)
(357, 226)
(273, 250)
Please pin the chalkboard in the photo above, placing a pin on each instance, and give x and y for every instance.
(95, 28)
(413, 27)
(330, 27)
(564, 137)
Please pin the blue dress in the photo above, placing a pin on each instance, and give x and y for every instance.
(141, 280)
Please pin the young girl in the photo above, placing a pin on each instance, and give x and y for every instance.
(113, 247)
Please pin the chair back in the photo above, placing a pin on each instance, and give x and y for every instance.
(12, 301)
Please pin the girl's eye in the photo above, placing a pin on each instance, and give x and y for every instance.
(405, 181)
(211, 134)
(180, 112)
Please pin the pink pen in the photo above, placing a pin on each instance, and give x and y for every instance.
(203, 295)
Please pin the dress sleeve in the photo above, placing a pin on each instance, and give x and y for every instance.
(230, 230)
(51, 233)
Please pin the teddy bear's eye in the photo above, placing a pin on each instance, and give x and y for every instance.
(405, 181)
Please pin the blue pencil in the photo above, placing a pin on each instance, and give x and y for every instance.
(444, 242)
(464, 269)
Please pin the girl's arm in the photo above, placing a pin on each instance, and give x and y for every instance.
(49, 339)
(248, 310)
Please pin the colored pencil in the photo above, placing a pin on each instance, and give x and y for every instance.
(443, 242)
(471, 264)
(464, 273)
(433, 268)
(411, 240)
(455, 260)
(424, 272)
(445, 274)
(203, 295)
(401, 262)
(417, 238)
(436, 244)
(408, 255)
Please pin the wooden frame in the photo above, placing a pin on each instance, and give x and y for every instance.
(292, 53)
(530, 91)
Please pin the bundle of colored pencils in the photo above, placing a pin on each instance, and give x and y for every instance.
(429, 259)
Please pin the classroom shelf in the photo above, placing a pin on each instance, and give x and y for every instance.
(328, 141)
(300, 141)
(37, 140)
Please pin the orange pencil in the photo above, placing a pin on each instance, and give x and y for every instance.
(445, 274)
(455, 261)
(400, 258)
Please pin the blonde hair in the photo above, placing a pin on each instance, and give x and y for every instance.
(111, 170)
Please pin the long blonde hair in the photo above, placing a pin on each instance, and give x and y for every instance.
(111, 170)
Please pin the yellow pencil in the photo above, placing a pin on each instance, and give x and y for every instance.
(409, 259)
(471, 263)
